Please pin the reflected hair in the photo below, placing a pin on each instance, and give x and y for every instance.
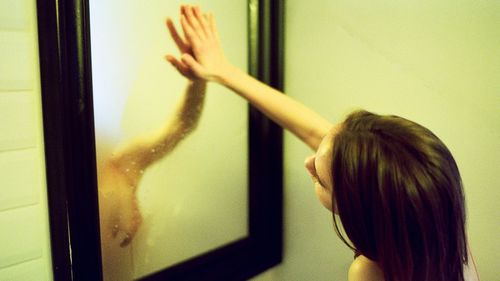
(399, 197)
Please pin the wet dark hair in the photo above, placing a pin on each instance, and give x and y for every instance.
(399, 198)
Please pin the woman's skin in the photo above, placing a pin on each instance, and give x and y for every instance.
(318, 167)
(120, 175)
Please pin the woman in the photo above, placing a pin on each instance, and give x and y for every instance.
(393, 184)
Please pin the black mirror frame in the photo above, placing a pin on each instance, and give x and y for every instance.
(65, 66)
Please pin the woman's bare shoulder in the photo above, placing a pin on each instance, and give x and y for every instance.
(364, 269)
(470, 269)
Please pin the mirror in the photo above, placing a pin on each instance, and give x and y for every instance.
(210, 208)
(190, 195)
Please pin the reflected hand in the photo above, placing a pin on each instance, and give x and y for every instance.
(184, 48)
(205, 59)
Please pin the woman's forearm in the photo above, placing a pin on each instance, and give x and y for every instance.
(304, 123)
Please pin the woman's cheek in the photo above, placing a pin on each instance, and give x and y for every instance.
(323, 196)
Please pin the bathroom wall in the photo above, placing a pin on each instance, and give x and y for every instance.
(434, 62)
(194, 199)
(24, 228)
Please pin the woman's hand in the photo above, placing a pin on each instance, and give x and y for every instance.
(202, 56)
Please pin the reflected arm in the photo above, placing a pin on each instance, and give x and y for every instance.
(121, 173)
(136, 156)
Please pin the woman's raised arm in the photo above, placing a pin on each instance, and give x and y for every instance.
(209, 63)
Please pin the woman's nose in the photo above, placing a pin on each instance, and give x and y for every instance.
(309, 163)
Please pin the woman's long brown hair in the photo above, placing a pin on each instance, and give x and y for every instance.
(400, 198)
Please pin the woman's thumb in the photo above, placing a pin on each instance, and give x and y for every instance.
(196, 68)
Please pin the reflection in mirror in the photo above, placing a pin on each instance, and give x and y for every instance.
(172, 159)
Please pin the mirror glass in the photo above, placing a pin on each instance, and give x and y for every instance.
(172, 167)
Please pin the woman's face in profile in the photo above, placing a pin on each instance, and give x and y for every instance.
(319, 168)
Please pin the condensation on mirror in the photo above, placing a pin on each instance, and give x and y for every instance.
(194, 199)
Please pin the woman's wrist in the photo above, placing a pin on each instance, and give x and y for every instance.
(226, 74)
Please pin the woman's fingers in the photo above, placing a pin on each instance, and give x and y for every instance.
(187, 66)
(202, 21)
(193, 21)
(180, 66)
(189, 32)
(213, 26)
(196, 68)
(183, 47)
(206, 59)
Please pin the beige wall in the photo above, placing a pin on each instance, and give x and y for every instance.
(435, 62)
(24, 229)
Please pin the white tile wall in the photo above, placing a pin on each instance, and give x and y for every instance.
(24, 229)
(18, 125)
(16, 55)
(20, 237)
(19, 191)
(14, 14)
(28, 271)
